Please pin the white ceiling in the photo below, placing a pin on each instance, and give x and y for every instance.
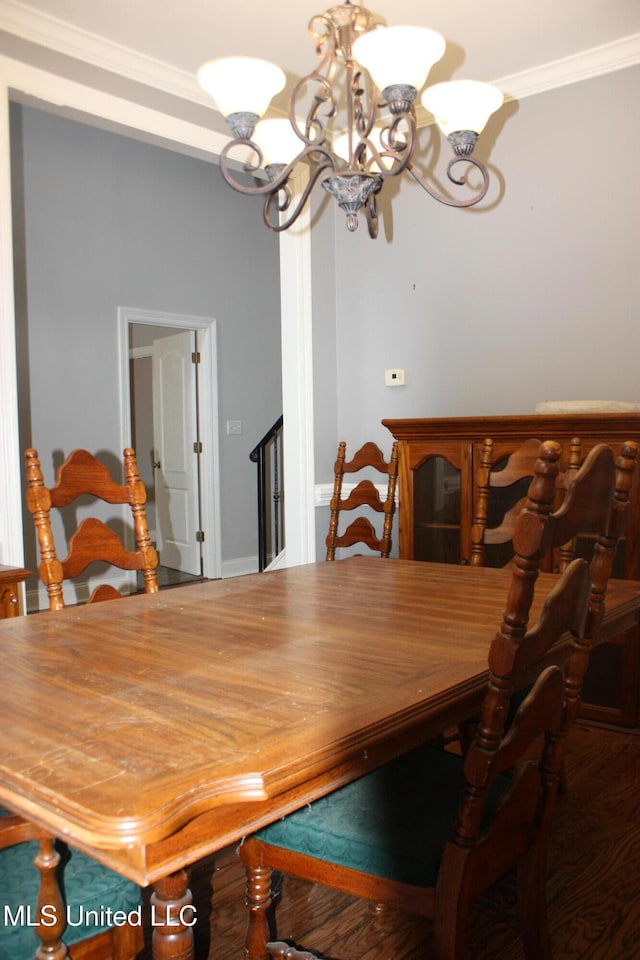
(488, 40)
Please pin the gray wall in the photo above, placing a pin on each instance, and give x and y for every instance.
(532, 297)
(490, 311)
(104, 221)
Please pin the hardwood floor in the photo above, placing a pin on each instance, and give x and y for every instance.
(168, 577)
(594, 910)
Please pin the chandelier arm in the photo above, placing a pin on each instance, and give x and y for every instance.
(441, 198)
(320, 156)
(315, 127)
(323, 32)
(247, 166)
(375, 163)
(371, 213)
(334, 33)
(394, 145)
(361, 103)
(280, 197)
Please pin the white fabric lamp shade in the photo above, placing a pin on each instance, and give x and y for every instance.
(241, 84)
(462, 104)
(399, 55)
(277, 140)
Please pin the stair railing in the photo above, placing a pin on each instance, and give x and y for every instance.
(267, 454)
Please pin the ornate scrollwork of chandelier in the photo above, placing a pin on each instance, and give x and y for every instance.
(382, 70)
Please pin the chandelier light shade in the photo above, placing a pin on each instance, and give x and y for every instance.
(462, 105)
(399, 55)
(242, 89)
(278, 142)
(352, 120)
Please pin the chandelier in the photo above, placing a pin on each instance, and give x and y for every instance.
(359, 123)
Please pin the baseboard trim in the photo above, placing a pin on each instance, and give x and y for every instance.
(239, 567)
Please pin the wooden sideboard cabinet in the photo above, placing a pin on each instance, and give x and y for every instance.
(10, 580)
(438, 459)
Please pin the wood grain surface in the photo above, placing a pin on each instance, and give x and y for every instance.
(159, 728)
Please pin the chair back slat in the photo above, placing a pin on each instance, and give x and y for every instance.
(81, 475)
(364, 494)
(519, 467)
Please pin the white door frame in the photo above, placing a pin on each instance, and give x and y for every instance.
(207, 416)
(20, 80)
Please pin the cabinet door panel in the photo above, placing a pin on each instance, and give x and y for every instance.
(436, 488)
(440, 518)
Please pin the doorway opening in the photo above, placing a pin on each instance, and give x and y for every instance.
(169, 416)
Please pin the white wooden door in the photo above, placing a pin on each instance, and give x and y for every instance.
(176, 471)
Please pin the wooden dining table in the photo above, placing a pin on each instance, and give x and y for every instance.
(153, 731)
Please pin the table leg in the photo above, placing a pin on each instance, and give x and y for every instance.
(172, 918)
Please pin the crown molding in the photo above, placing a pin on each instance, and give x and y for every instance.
(19, 19)
(28, 24)
(115, 112)
(595, 62)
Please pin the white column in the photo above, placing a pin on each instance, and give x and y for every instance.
(11, 538)
(297, 386)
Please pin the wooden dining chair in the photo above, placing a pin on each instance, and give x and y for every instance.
(498, 497)
(82, 474)
(30, 862)
(364, 495)
(65, 878)
(431, 831)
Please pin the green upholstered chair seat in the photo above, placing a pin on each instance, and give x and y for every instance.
(86, 885)
(385, 823)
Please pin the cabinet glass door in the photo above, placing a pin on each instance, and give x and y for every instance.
(436, 519)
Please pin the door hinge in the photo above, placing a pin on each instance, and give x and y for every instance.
(195, 357)
(197, 446)
(199, 536)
